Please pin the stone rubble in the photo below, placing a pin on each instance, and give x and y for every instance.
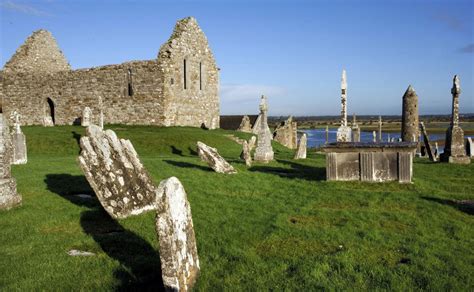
(174, 226)
(301, 151)
(245, 125)
(454, 150)
(9, 197)
(115, 173)
(264, 151)
(213, 159)
(286, 133)
(18, 141)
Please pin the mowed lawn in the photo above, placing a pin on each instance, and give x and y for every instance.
(278, 226)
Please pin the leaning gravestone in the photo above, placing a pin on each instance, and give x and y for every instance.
(86, 117)
(426, 140)
(174, 226)
(18, 141)
(245, 154)
(8, 195)
(301, 151)
(113, 170)
(213, 159)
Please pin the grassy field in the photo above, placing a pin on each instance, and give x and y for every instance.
(279, 226)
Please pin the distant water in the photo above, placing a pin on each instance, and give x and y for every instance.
(317, 137)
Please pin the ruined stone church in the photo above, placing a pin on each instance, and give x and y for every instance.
(178, 88)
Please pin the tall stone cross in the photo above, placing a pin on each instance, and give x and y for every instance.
(264, 151)
(343, 99)
(455, 91)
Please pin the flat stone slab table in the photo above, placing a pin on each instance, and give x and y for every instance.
(371, 162)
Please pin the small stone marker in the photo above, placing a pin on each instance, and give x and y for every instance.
(264, 152)
(380, 129)
(454, 151)
(9, 198)
(48, 122)
(86, 117)
(245, 154)
(245, 125)
(115, 173)
(374, 136)
(286, 133)
(426, 140)
(18, 141)
(252, 142)
(301, 151)
(213, 159)
(469, 147)
(174, 226)
(436, 150)
(355, 130)
(327, 134)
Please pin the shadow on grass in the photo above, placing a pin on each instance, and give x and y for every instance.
(176, 151)
(187, 165)
(466, 206)
(141, 266)
(296, 171)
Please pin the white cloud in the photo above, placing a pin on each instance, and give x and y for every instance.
(22, 8)
(249, 92)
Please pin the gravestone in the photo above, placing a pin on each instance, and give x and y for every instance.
(380, 129)
(344, 132)
(252, 141)
(355, 130)
(245, 125)
(174, 226)
(9, 198)
(374, 136)
(213, 159)
(327, 135)
(86, 117)
(115, 173)
(426, 141)
(18, 141)
(264, 151)
(285, 133)
(454, 150)
(245, 154)
(301, 151)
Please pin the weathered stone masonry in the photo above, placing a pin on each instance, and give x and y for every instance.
(179, 88)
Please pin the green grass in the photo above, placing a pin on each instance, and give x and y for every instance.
(278, 226)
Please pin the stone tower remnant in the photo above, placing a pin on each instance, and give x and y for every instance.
(18, 141)
(9, 198)
(264, 151)
(301, 151)
(454, 151)
(177, 88)
(213, 159)
(410, 122)
(344, 132)
(286, 133)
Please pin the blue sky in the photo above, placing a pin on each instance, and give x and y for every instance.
(291, 51)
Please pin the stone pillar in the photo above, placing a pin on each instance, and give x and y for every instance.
(405, 167)
(264, 151)
(410, 131)
(327, 134)
(374, 136)
(86, 117)
(355, 130)
(301, 151)
(380, 128)
(344, 132)
(454, 151)
(367, 171)
(18, 141)
(331, 166)
(8, 195)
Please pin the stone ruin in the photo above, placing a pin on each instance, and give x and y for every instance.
(301, 150)
(410, 119)
(286, 133)
(213, 159)
(86, 117)
(426, 141)
(9, 198)
(177, 88)
(18, 141)
(124, 188)
(344, 132)
(245, 125)
(174, 226)
(264, 152)
(454, 151)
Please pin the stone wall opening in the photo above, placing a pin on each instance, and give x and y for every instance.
(184, 74)
(200, 76)
(50, 110)
(130, 86)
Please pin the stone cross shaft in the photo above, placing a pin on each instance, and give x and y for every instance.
(455, 91)
(343, 99)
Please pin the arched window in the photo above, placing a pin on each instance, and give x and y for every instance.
(184, 75)
(51, 109)
(130, 86)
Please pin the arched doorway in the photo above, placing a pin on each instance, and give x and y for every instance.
(51, 110)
